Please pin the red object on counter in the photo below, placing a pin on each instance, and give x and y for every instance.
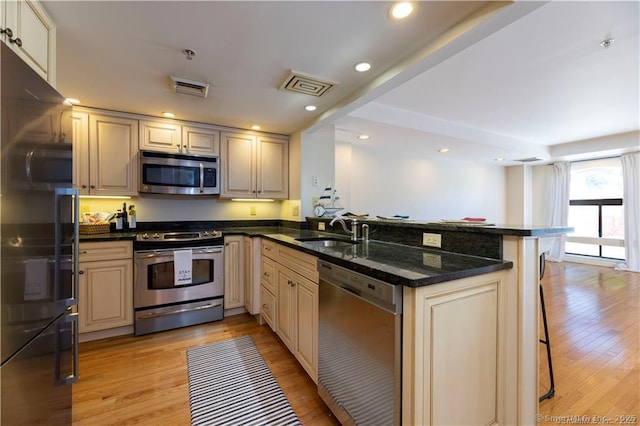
(474, 219)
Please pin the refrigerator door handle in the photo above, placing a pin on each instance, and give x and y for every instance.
(70, 318)
(74, 194)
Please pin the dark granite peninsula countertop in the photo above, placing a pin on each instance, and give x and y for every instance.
(396, 264)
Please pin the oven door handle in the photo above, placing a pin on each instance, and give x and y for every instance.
(165, 253)
(176, 311)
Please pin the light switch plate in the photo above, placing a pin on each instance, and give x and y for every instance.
(431, 240)
(321, 226)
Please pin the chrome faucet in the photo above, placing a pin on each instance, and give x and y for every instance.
(354, 227)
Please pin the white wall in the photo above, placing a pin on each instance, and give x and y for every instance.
(391, 177)
(317, 158)
(542, 178)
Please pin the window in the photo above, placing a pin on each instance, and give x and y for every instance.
(595, 209)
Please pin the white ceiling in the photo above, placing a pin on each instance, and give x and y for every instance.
(525, 78)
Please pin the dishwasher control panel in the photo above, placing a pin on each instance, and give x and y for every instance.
(378, 292)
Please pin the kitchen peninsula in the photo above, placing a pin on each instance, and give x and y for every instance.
(479, 293)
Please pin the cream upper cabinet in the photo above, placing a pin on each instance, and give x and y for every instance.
(254, 166)
(160, 136)
(176, 138)
(105, 286)
(234, 271)
(272, 159)
(31, 33)
(80, 128)
(203, 140)
(105, 156)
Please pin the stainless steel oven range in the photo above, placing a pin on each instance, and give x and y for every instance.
(163, 299)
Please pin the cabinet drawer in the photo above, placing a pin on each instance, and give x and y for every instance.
(269, 249)
(111, 250)
(268, 307)
(302, 263)
(267, 278)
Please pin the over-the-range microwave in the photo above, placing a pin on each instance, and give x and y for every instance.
(163, 173)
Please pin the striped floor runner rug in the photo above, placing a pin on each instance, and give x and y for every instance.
(230, 384)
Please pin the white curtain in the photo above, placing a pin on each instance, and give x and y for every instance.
(631, 201)
(560, 207)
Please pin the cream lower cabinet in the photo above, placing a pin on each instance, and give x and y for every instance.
(454, 366)
(252, 275)
(234, 271)
(293, 277)
(105, 285)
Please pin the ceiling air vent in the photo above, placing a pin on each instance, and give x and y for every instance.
(530, 159)
(307, 84)
(189, 87)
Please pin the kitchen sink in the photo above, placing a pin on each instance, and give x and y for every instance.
(327, 241)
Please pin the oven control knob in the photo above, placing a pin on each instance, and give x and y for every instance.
(206, 233)
(156, 235)
(145, 236)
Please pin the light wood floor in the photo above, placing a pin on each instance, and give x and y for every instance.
(143, 380)
(594, 319)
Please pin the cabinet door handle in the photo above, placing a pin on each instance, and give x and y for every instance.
(16, 40)
(7, 31)
(80, 272)
(266, 274)
(293, 284)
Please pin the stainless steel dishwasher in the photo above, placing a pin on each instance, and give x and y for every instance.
(359, 347)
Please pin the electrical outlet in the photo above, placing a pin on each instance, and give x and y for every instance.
(432, 240)
(252, 210)
(295, 211)
(315, 181)
(321, 226)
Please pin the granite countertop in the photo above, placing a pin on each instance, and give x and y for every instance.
(396, 264)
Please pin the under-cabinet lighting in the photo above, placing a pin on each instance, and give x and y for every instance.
(107, 197)
(253, 200)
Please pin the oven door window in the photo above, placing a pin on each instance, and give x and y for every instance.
(161, 275)
(180, 176)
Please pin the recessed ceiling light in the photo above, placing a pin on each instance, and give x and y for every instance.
(499, 159)
(256, 127)
(401, 10)
(310, 107)
(443, 150)
(364, 137)
(362, 66)
(72, 101)
(169, 114)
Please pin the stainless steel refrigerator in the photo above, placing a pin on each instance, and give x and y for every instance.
(38, 235)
